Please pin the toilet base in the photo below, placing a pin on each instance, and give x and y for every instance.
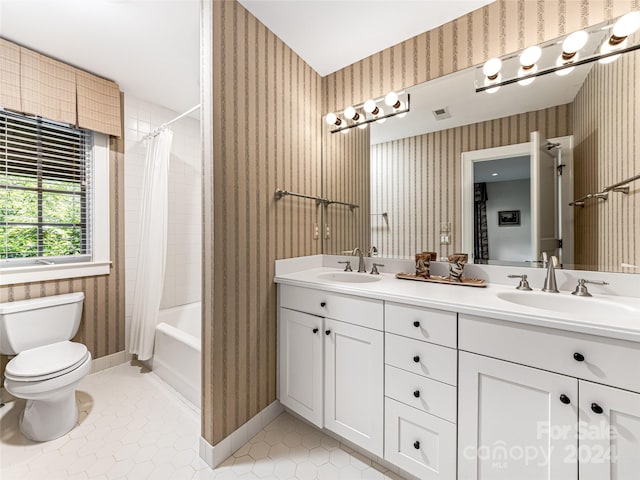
(44, 420)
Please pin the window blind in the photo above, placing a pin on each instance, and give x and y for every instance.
(45, 191)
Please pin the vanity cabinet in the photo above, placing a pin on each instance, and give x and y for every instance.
(331, 363)
(609, 441)
(548, 422)
(515, 422)
(420, 388)
(301, 364)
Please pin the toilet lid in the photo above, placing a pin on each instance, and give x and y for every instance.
(46, 362)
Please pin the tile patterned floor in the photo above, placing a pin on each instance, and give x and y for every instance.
(133, 426)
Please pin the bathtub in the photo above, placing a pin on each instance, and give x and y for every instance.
(177, 359)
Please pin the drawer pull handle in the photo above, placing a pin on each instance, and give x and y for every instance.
(416, 445)
(323, 304)
(416, 394)
(564, 399)
(578, 357)
(416, 324)
(596, 408)
(416, 359)
(327, 332)
(315, 330)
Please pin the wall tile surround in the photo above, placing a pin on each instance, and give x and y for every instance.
(184, 246)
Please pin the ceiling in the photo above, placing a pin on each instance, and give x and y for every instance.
(151, 47)
(502, 170)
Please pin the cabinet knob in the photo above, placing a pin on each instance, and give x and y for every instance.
(416, 394)
(416, 445)
(416, 323)
(416, 359)
(323, 304)
(578, 357)
(596, 408)
(564, 399)
(315, 330)
(327, 332)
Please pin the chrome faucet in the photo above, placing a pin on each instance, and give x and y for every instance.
(361, 267)
(550, 284)
(373, 251)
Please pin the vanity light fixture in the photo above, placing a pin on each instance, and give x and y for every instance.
(370, 111)
(603, 43)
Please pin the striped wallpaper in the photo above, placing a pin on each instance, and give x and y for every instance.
(102, 326)
(417, 180)
(266, 135)
(345, 167)
(607, 150)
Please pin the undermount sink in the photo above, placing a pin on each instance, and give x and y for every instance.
(349, 277)
(566, 303)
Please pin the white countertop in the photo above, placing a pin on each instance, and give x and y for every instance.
(624, 325)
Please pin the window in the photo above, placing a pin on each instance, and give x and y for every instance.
(48, 196)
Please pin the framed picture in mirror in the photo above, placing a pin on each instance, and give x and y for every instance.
(509, 218)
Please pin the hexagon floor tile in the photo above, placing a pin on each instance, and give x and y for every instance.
(133, 426)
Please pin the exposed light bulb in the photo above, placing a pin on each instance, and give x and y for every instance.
(565, 71)
(362, 126)
(626, 25)
(530, 56)
(522, 71)
(370, 106)
(381, 114)
(607, 47)
(488, 81)
(345, 131)
(492, 68)
(573, 43)
(351, 113)
(392, 100)
(332, 119)
(402, 107)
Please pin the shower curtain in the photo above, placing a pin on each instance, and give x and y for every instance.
(152, 246)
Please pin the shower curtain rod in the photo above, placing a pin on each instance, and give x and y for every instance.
(164, 125)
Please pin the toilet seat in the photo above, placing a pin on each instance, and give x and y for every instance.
(46, 362)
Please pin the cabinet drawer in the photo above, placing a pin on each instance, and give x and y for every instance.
(428, 395)
(606, 360)
(426, 359)
(419, 443)
(356, 310)
(435, 326)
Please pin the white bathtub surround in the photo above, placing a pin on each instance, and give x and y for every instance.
(182, 273)
(152, 245)
(177, 357)
(214, 455)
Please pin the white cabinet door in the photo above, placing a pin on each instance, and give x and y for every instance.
(515, 422)
(609, 445)
(354, 383)
(300, 351)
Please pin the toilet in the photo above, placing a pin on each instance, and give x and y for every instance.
(47, 366)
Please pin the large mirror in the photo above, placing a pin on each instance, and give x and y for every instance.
(496, 175)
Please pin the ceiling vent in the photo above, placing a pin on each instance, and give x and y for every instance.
(441, 113)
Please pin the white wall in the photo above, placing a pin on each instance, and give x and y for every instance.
(182, 278)
(509, 243)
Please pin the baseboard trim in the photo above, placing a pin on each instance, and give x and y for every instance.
(108, 361)
(214, 455)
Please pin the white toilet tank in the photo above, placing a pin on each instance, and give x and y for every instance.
(27, 324)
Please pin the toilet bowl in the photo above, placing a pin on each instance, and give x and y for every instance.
(46, 377)
(48, 366)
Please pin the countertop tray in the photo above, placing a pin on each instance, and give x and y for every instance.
(466, 281)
